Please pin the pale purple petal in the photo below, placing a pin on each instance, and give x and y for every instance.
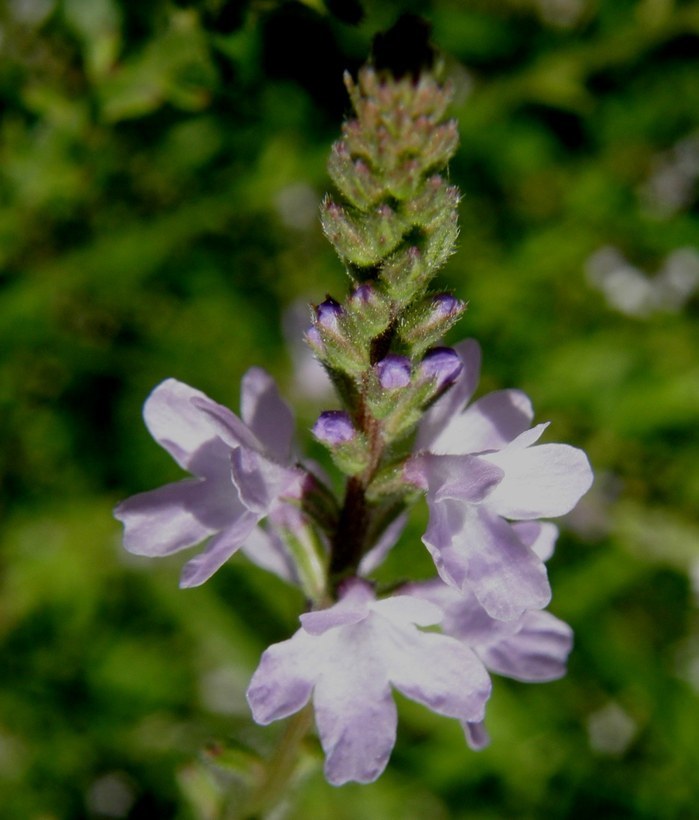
(464, 617)
(218, 550)
(180, 428)
(540, 482)
(538, 651)
(506, 577)
(453, 401)
(467, 478)
(267, 414)
(477, 735)
(434, 590)
(352, 608)
(403, 609)
(533, 647)
(226, 425)
(466, 620)
(266, 550)
(529, 437)
(539, 536)
(439, 672)
(283, 681)
(175, 516)
(485, 554)
(355, 715)
(489, 424)
(447, 519)
(260, 482)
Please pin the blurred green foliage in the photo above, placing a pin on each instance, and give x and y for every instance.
(160, 170)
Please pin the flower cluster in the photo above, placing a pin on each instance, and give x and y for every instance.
(407, 427)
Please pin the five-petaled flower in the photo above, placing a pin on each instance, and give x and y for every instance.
(242, 467)
(481, 470)
(347, 657)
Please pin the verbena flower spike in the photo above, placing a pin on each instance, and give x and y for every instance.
(404, 426)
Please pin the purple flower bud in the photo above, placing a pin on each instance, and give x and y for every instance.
(362, 295)
(393, 372)
(314, 340)
(334, 427)
(328, 313)
(442, 364)
(446, 305)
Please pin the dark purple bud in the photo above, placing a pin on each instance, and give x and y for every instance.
(393, 372)
(362, 295)
(334, 427)
(328, 313)
(442, 364)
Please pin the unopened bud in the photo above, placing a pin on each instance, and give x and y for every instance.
(334, 427)
(362, 295)
(347, 445)
(445, 305)
(441, 364)
(332, 340)
(428, 321)
(328, 313)
(393, 372)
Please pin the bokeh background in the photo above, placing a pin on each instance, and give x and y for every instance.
(161, 166)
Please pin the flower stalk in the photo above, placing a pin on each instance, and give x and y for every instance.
(394, 225)
(406, 427)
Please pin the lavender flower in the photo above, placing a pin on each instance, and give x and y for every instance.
(347, 657)
(469, 535)
(486, 479)
(531, 648)
(238, 478)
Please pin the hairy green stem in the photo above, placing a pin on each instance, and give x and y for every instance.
(280, 768)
